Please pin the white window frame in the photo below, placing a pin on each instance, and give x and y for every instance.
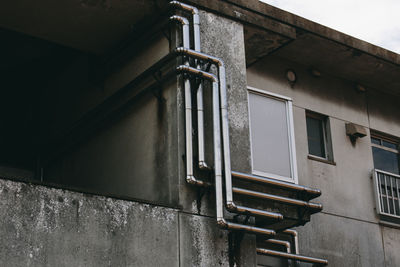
(378, 198)
(290, 126)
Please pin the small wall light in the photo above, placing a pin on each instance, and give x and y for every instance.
(355, 131)
(291, 77)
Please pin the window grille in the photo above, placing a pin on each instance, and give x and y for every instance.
(387, 192)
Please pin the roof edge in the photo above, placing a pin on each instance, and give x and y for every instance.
(301, 23)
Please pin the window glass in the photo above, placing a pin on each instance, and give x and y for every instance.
(269, 135)
(389, 144)
(315, 135)
(386, 160)
(375, 141)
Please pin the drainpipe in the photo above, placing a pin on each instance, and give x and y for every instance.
(216, 135)
(190, 178)
(295, 236)
(200, 105)
(224, 112)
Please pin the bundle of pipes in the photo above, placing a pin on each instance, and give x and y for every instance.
(217, 112)
(221, 147)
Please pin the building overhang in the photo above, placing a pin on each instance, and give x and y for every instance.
(98, 27)
(272, 31)
(94, 26)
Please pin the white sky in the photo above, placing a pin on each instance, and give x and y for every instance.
(374, 21)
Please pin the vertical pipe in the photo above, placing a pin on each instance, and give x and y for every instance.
(216, 138)
(199, 95)
(225, 121)
(200, 104)
(217, 153)
(225, 134)
(294, 234)
(190, 178)
(188, 101)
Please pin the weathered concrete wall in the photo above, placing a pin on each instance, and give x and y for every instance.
(215, 31)
(135, 155)
(348, 218)
(43, 226)
(78, 88)
(384, 113)
(141, 154)
(50, 227)
(391, 244)
(342, 241)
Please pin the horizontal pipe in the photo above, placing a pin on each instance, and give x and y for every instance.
(286, 244)
(199, 55)
(256, 212)
(285, 200)
(290, 256)
(247, 228)
(289, 186)
(197, 72)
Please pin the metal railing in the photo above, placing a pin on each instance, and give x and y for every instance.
(387, 193)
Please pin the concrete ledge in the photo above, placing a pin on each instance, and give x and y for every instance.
(42, 226)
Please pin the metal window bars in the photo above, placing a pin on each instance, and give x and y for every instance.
(387, 194)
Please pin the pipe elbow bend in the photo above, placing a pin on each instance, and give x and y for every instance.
(183, 6)
(231, 206)
(191, 180)
(203, 165)
(222, 223)
(182, 20)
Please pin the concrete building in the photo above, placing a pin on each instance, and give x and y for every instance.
(150, 133)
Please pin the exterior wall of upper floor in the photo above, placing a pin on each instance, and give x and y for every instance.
(129, 153)
(349, 217)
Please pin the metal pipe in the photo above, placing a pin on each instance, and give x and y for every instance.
(295, 236)
(200, 104)
(312, 192)
(256, 212)
(247, 228)
(185, 29)
(225, 121)
(296, 257)
(281, 243)
(285, 200)
(190, 178)
(216, 135)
